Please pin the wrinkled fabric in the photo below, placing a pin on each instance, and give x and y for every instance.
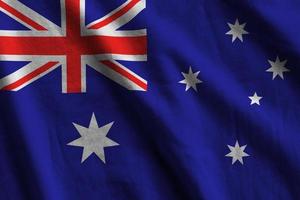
(172, 142)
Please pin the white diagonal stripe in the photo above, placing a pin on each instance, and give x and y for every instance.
(113, 75)
(122, 20)
(39, 19)
(22, 72)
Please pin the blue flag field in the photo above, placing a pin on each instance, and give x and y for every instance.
(149, 100)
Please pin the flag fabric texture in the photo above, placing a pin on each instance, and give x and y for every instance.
(149, 100)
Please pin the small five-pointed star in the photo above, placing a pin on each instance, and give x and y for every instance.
(237, 153)
(190, 79)
(255, 99)
(237, 30)
(93, 139)
(278, 68)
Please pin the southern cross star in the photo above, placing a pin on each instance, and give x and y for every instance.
(278, 68)
(237, 30)
(190, 79)
(237, 153)
(93, 139)
(255, 99)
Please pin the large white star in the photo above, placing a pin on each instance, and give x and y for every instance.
(93, 139)
(190, 79)
(237, 153)
(255, 99)
(237, 30)
(278, 68)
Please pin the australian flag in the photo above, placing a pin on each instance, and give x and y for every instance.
(149, 100)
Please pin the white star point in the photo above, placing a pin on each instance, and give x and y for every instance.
(255, 99)
(190, 79)
(93, 139)
(277, 68)
(237, 30)
(237, 153)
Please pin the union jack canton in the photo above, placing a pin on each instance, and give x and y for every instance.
(73, 46)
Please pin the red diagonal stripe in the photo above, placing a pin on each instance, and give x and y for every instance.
(126, 74)
(29, 76)
(115, 16)
(22, 17)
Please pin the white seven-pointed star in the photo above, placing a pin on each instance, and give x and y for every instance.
(237, 153)
(190, 79)
(255, 99)
(237, 30)
(278, 68)
(93, 139)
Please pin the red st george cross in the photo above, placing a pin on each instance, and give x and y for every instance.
(73, 46)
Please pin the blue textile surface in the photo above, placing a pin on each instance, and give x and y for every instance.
(172, 142)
